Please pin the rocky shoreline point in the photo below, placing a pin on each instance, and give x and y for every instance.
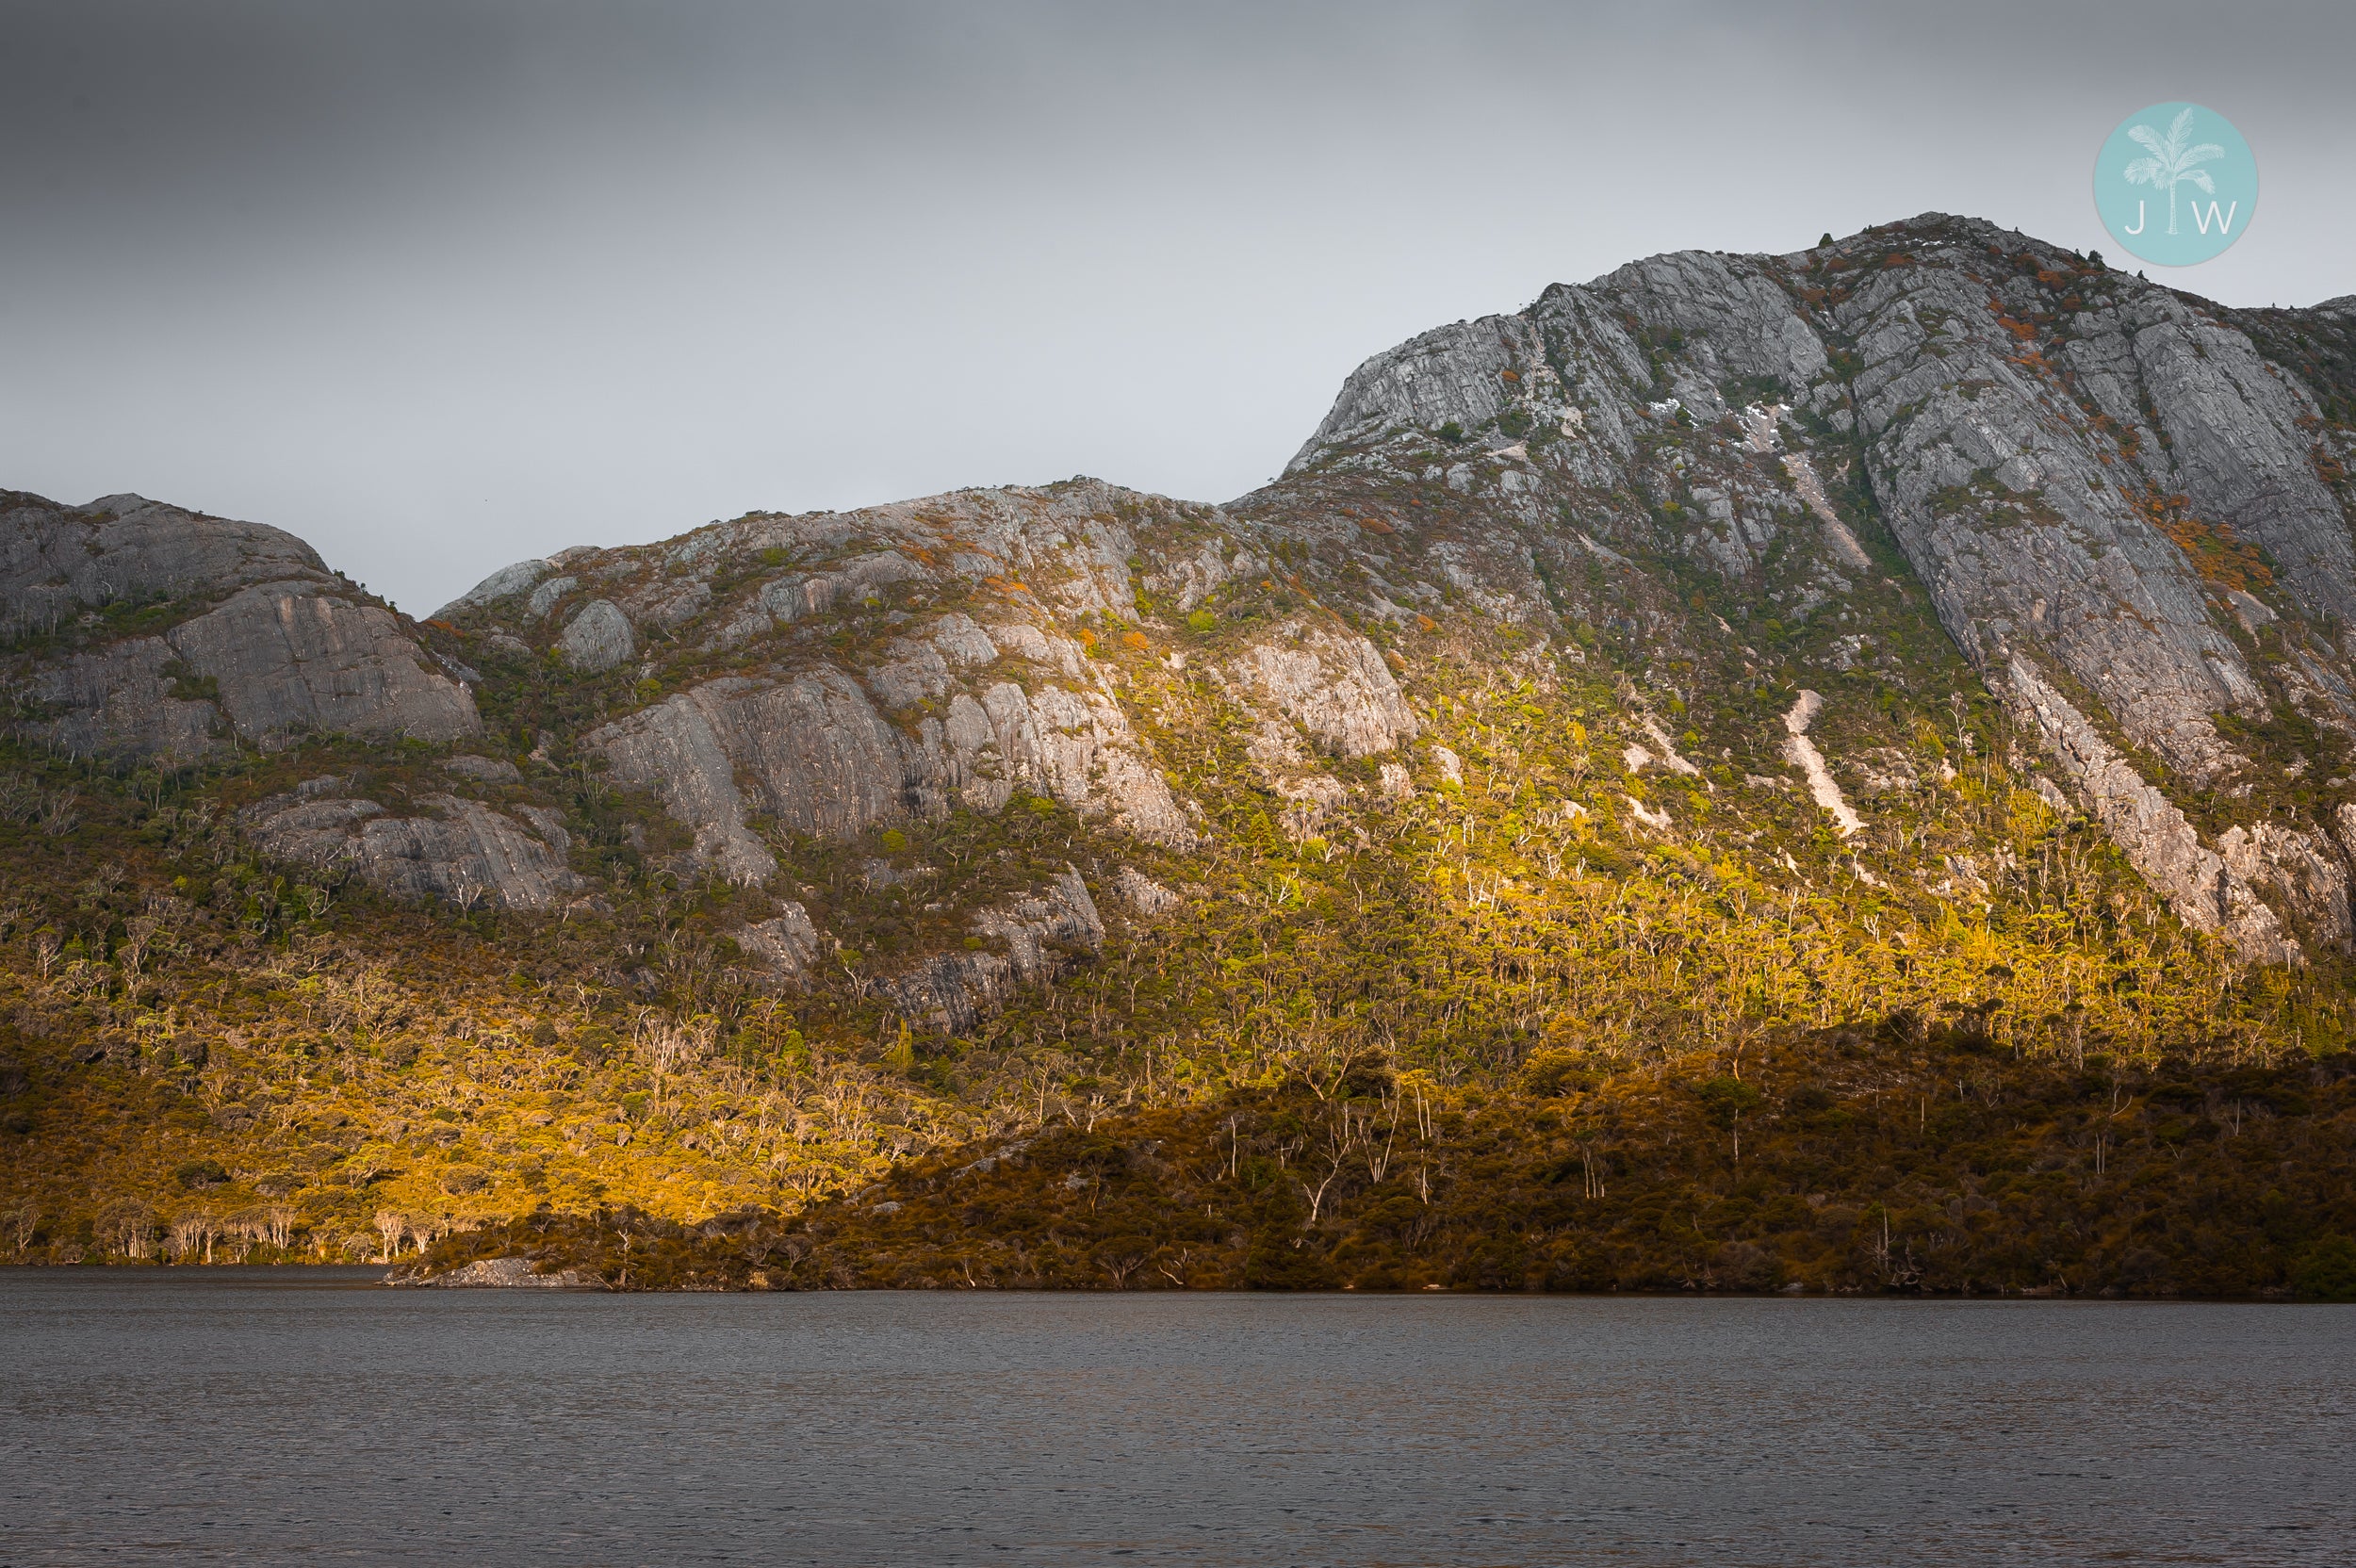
(493, 1273)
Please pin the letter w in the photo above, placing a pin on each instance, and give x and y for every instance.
(2224, 224)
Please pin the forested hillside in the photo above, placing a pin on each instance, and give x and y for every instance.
(1640, 749)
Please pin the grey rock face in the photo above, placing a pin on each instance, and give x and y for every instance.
(1737, 319)
(543, 597)
(1996, 491)
(1144, 896)
(813, 753)
(274, 662)
(2064, 455)
(961, 642)
(668, 602)
(1335, 685)
(2207, 893)
(118, 701)
(674, 749)
(56, 558)
(953, 990)
(549, 824)
(869, 574)
(786, 945)
(1449, 375)
(599, 637)
(465, 853)
(484, 770)
(911, 672)
(503, 583)
(1075, 746)
(822, 759)
(2299, 872)
(289, 658)
(2238, 446)
(783, 600)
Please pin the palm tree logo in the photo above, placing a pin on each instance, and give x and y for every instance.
(2172, 161)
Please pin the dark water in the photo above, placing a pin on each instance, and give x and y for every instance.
(291, 1416)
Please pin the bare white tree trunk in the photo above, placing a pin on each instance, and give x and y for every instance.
(391, 1227)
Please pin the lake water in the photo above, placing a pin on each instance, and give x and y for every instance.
(302, 1416)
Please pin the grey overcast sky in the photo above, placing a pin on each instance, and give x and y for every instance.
(441, 286)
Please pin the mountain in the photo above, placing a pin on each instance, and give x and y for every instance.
(1915, 667)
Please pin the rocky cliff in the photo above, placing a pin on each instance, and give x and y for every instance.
(2129, 509)
(235, 629)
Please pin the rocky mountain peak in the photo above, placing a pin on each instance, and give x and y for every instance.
(2092, 477)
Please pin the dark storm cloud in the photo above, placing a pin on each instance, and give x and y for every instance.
(440, 285)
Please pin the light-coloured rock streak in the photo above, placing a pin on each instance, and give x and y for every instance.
(1802, 754)
(1812, 489)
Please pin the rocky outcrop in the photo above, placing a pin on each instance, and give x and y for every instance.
(257, 639)
(787, 946)
(1034, 939)
(2206, 892)
(2299, 874)
(276, 662)
(55, 560)
(1059, 915)
(288, 659)
(1145, 897)
(1311, 800)
(497, 1273)
(811, 753)
(1075, 746)
(463, 852)
(814, 754)
(543, 599)
(504, 583)
(1448, 376)
(2008, 503)
(783, 600)
(483, 770)
(598, 637)
(1334, 684)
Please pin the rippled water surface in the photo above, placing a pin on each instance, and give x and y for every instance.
(300, 1416)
